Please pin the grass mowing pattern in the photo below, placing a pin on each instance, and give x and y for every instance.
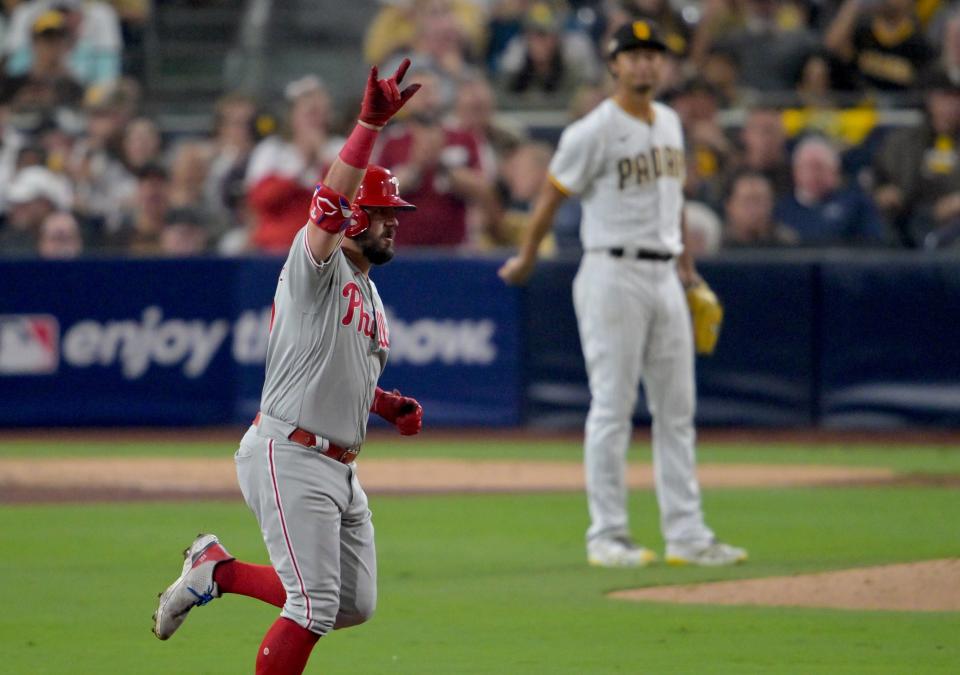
(491, 584)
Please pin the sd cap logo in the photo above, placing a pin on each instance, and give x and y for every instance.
(641, 29)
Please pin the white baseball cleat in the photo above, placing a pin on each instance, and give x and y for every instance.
(194, 587)
(618, 552)
(711, 554)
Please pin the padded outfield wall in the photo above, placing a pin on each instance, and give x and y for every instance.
(839, 340)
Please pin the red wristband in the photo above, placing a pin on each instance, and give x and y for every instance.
(356, 151)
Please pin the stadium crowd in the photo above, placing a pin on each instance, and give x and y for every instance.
(808, 123)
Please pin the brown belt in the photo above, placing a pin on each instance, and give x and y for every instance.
(308, 439)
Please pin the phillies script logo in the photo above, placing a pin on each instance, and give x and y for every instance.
(355, 305)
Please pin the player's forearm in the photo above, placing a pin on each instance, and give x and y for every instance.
(686, 268)
(541, 221)
(343, 178)
(348, 168)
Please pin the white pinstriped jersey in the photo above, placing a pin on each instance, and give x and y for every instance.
(329, 343)
(629, 176)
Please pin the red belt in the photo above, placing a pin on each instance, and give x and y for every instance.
(308, 439)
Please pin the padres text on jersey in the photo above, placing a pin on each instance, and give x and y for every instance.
(629, 175)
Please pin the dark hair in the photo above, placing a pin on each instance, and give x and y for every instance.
(184, 216)
(152, 170)
(746, 174)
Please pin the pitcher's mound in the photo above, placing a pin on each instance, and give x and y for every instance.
(931, 586)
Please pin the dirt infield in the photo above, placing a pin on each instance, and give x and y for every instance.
(931, 586)
(85, 479)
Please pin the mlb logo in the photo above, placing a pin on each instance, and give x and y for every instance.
(29, 344)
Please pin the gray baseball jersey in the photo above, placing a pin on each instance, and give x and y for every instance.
(328, 344)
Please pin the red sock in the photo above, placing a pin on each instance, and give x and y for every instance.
(285, 649)
(254, 581)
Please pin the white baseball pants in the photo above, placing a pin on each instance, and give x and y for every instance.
(635, 326)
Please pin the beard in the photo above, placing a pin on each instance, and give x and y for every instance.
(377, 250)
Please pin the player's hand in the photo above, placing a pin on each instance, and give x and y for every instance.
(383, 98)
(404, 412)
(688, 276)
(517, 270)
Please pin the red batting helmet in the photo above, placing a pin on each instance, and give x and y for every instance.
(379, 188)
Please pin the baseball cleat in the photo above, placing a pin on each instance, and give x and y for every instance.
(618, 552)
(194, 587)
(711, 554)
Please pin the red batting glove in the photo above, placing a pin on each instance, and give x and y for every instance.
(383, 98)
(405, 413)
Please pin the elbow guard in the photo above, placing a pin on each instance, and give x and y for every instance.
(330, 210)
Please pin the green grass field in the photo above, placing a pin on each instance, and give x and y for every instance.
(489, 583)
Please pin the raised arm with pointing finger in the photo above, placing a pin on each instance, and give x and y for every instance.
(331, 206)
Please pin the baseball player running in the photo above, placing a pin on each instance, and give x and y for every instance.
(626, 162)
(329, 342)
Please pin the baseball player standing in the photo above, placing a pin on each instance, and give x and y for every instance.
(328, 345)
(625, 159)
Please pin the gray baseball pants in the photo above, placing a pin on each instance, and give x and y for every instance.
(316, 524)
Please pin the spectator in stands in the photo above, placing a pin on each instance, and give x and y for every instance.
(749, 214)
(236, 130)
(60, 237)
(34, 193)
(31, 154)
(708, 149)
(821, 210)
(545, 64)
(11, 141)
(184, 233)
(917, 171)
(815, 85)
(142, 143)
(105, 187)
(523, 173)
(880, 43)
(441, 41)
(95, 36)
(950, 57)
(48, 83)
(284, 168)
(721, 70)
(704, 230)
(474, 115)
(448, 31)
(188, 174)
(139, 233)
(763, 149)
(438, 168)
(504, 22)
(765, 37)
